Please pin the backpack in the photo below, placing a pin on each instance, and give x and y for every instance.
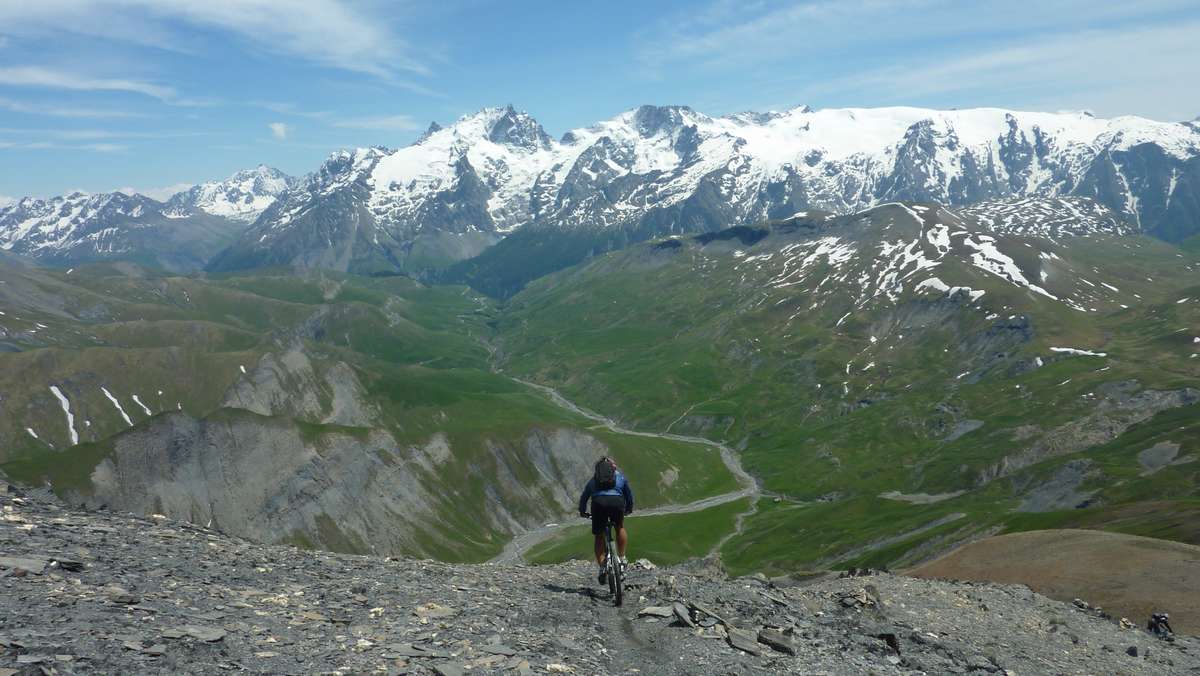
(606, 475)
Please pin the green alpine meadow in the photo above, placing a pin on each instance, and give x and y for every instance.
(820, 391)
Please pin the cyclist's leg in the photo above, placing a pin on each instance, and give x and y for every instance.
(598, 531)
(622, 540)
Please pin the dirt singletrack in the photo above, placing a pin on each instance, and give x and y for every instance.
(515, 550)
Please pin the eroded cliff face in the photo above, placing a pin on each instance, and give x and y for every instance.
(341, 488)
(289, 383)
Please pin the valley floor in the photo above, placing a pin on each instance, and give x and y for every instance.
(111, 593)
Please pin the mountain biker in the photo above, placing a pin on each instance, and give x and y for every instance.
(612, 499)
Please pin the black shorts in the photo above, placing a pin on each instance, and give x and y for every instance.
(607, 508)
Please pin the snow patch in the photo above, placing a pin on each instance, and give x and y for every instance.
(1072, 350)
(139, 403)
(120, 409)
(66, 407)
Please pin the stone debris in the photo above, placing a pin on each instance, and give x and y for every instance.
(744, 641)
(29, 565)
(134, 595)
(207, 634)
(434, 611)
(656, 611)
(859, 598)
(682, 614)
(777, 640)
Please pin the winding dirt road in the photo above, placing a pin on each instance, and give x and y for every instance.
(515, 550)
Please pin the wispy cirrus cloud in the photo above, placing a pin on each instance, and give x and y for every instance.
(379, 123)
(162, 193)
(101, 134)
(292, 109)
(1074, 70)
(56, 145)
(1116, 58)
(279, 130)
(345, 35)
(54, 110)
(39, 76)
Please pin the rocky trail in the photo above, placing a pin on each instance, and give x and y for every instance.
(104, 592)
(515, 550)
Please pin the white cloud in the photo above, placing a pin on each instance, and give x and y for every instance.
(104, 147)
(62, 111)
(38, 76)
(1066, 71)
(328, 32)
(55, 145)
(279, 130)
(101, 134)
(1126, 58)
(161, 194)
(291, 109)
(383, 123)
(4, 199)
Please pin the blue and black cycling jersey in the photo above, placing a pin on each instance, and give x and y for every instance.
(622, 489)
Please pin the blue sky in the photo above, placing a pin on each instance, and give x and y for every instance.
(149, 94)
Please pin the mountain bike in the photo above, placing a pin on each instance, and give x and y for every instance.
(612, 564)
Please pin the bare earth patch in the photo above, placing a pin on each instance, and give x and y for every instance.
(1129, 576)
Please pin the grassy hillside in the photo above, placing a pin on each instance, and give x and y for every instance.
(665, 540)
(320, 362)
(898, 418)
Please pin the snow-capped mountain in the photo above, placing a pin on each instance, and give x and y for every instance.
(662, 170)
(62, 223)
(181, 234)
(880, 254)
(241, 197)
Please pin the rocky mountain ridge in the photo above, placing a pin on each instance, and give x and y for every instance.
(102, 591)
(656, 171)
(181, 234)
(242, 197)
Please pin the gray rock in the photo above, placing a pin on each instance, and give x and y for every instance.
(744, 641)
(656, 611)
(681, 613)
(507, 619)
(777, 640)
(207, 634)
(498, 649)
(122, 597)
(29, 564)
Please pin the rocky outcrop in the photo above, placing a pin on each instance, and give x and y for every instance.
(289, 384)
(342, 488)
(1120, 407)
(102, 592)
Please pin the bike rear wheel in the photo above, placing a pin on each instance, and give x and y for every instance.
(616, 582)
(619, 592)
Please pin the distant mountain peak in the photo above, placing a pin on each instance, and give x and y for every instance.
(668, 169)
(652, 120)
(517, 128)
(242, 197)
(433, 128)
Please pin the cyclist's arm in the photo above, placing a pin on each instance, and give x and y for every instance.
(587, 493)
(628, 493)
